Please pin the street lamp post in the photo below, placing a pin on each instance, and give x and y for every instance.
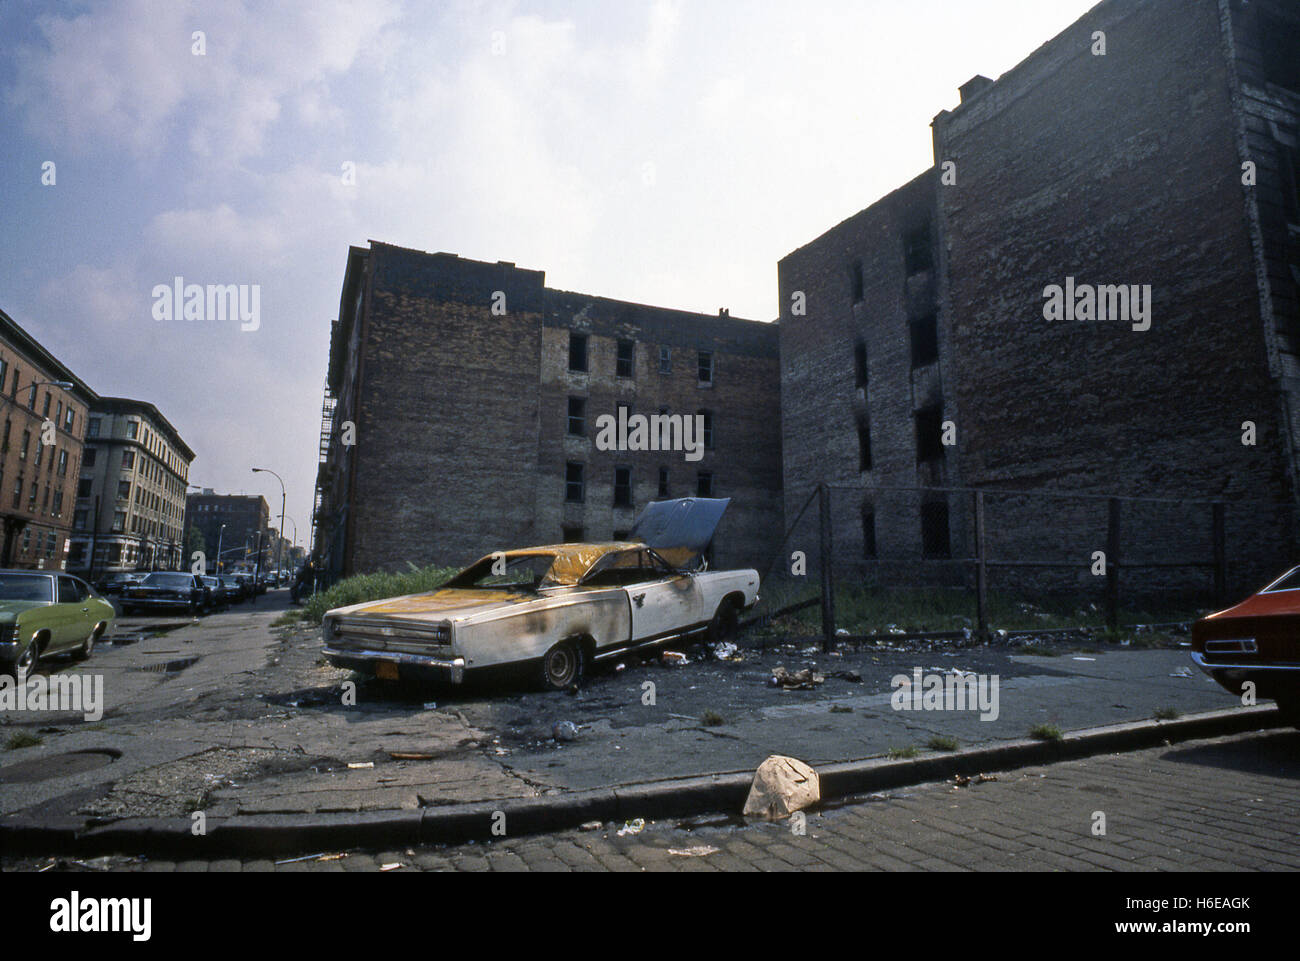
(279, 543)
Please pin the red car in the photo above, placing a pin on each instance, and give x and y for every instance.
(1257, 641)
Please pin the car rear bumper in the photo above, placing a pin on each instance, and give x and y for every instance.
(408, 665)
(1269, 679)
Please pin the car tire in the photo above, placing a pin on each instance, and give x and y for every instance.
(563, 666)
(28, 659)
(88, 645)
(725, 623)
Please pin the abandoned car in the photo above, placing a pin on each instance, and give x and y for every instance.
(559, 609)
(1257, 642)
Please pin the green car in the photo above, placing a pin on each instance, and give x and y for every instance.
(43, 614)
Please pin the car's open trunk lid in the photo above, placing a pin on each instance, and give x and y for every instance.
(680, 530)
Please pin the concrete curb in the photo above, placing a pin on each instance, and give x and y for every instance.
(289, 834)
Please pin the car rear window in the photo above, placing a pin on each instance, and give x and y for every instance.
(1288, 582)
(25, 587)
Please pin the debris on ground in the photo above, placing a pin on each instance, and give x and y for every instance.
(696, 851)
(565, 731)
(406, 756)
(590, 826)
(632, 827)
(782, 785)
(726, 651)
(853, 677)
(961, 780)
(395, 866)
(361, 766)
(674, 659)
(431, 705)
(313, 857)
(804, 680)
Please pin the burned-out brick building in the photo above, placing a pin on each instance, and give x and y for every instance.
(1150, 143)
(462, 408)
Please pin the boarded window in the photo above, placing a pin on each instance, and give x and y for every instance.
(860, 363)
(868, 532)
(864, 445)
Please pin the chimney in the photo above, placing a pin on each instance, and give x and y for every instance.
(724, 312)
(974, 87)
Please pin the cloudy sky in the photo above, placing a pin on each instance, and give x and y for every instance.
(667, 152)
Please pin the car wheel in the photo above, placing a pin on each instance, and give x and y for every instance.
(562, 666)
(30, 657)
(88, 645)
(725, 623)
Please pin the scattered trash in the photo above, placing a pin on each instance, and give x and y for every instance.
(803, 680)
(853, 677)
(696, 851)
(1182, 672)
(726, 651)
(620, 668)
(632, 827)
(1085, 658)
(361, 766)
(431, 706)
(565, 731)
(396, 865)
(842, 632)
(404, 756)
(590, 826)
(677, 658)
(961, 780)
(837, 709)
(313, 857)
(782, 785)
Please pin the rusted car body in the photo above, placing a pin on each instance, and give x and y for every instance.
(560, 608)
(1256, 641)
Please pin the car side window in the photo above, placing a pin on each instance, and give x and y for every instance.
(67, 591)
(82, 588)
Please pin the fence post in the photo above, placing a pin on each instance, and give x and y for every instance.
(828, 583)
(1220, 556)
(1112, 566)
(981, 572)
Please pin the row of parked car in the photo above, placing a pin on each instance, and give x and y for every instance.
(166, 591)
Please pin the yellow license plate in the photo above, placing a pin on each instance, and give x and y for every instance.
(387, 671)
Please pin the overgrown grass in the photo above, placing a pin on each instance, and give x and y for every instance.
(863, 610)
(712, 719)
(902, 753)
(1046, 732)
(375, 587)
(1167, 714)
(941, 743)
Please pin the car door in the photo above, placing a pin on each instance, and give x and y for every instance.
(68, 626)
(663, 602)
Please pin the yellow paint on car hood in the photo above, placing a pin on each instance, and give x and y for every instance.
(444, 600)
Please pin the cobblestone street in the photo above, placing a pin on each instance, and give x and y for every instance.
(1228, 804)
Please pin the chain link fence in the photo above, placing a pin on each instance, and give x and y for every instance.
(911, 561)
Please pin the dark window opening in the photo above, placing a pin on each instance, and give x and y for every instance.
(663, 482)
(706, 367)
(1280, 45)
(704, 484)
(917, 254)
(620, 536)
(574, 535)
(622, 487)
(626, 365)
(577, 352)
(855, 278)
(868, 533)
(925, 340)
(864, 446)
(665, 360)
(706, 418)
(935, 543)
(860, 363)
(929, 434)
(578, 416)
(1290, 160)
(574, 488)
